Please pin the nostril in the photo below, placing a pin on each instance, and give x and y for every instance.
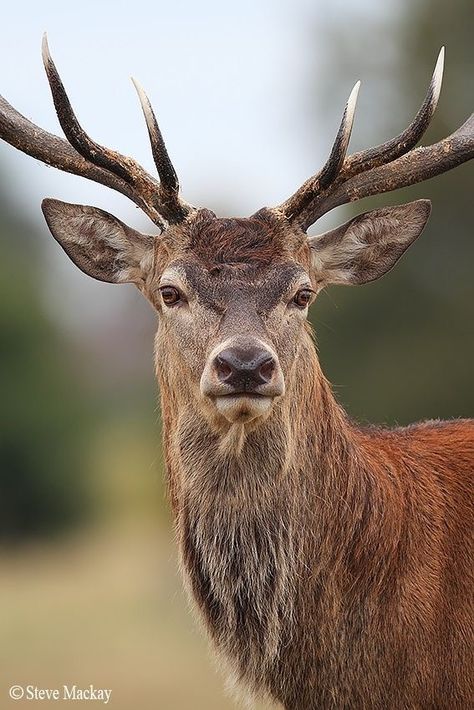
(267, 369)
(244, 369)
(224, 370)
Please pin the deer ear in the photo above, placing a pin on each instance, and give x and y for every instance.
(369, 245)
(98, 243)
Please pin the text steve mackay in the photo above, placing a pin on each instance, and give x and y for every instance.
(65, 692)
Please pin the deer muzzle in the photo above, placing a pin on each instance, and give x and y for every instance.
(242, 378)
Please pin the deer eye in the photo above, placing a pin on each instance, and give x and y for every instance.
(170, 295)
(302, 297)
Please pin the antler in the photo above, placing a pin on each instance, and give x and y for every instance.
(83, 156)
(386, 167)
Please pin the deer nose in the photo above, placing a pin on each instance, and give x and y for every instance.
(244, 369)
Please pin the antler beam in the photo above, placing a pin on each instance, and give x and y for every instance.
(24, 135)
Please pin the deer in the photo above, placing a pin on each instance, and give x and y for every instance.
(330, 563)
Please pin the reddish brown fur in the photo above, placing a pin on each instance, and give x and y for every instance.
(256, 240)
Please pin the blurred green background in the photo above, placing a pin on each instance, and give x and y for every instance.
(89, 588)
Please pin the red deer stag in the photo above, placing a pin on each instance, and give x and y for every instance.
(331, 564)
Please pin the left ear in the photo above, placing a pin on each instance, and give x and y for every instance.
(369, 245)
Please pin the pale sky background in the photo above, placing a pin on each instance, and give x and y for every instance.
(226, 81)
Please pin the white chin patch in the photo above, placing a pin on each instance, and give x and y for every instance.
(243, 408)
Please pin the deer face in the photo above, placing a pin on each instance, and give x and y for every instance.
(233, 294)
(232, 304)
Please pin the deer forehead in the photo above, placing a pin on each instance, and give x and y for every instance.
(236, 286)
(261, 239)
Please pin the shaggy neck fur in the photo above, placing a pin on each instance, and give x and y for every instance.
(243, 516)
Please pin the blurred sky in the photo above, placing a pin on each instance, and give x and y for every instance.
(226, 82)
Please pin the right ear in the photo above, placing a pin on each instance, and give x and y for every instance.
(100, 244)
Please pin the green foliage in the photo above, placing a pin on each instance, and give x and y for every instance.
(42, 484)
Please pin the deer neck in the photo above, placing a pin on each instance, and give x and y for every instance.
(243, 519)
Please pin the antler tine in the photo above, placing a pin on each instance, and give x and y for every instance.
(173, 210)
(333, 165)
(313, 200)
(163, 163)
(169, 184)
(77, 137)
(338, 153)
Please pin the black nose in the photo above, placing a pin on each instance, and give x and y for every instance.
(244, 369)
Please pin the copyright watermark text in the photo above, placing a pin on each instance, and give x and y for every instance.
(63, 692)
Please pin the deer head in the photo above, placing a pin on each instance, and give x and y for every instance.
(233, 294)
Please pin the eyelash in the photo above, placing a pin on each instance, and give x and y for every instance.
(307, 292)
(171, 291)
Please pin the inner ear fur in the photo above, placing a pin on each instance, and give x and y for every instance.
(100, 244)
(369, 245)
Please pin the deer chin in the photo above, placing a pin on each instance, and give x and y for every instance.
(243, 407)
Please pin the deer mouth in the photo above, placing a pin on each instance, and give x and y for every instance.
(249, 395)
(243, 406)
